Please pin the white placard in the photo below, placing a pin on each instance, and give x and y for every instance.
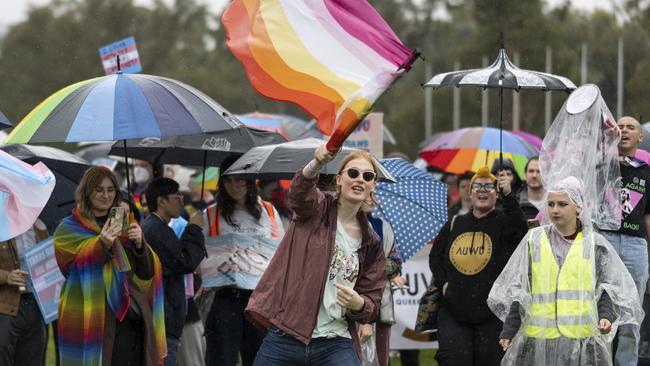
(417, 273)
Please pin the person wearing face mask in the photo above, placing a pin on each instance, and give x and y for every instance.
(143, 173)
(328, 273)
(565, 290)
(111, 310)
(467, 256)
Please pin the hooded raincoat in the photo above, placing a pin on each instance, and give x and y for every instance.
(556, 285)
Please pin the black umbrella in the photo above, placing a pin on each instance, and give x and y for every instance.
(90, 152)
(282, 161)
(205, 149)
(68, 170)
(4, 122)
(502, 74)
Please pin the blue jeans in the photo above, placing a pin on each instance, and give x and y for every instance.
(172, 349)
(281, 349)
(633, 251)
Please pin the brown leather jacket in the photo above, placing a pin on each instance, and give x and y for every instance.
(9, 294)
(9, 260)
(290, 291)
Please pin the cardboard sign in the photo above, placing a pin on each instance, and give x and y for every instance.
(45, 278)
(417, 273)
(129, 57)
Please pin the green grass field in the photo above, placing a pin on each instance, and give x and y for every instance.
(426, 356)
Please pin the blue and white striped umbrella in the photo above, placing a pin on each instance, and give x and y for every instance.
(415, 206)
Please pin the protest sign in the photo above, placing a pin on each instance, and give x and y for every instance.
(45, 278)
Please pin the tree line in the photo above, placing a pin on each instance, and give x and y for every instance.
(58, 43)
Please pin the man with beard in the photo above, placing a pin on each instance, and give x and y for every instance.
(531, 195)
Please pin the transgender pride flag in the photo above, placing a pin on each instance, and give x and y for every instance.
(24, 191)
(333, 58)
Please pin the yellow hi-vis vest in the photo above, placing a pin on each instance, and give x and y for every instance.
(563, 299)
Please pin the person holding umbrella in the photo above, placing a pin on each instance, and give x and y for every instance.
(467, 256)
(328, 273)
(239, 211)
(564, 291)
(113, 282)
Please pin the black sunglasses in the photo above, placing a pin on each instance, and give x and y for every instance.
(354, 173)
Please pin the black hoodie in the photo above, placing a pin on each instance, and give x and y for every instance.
(472, 255)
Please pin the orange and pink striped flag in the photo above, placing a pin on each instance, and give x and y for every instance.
(333, 58)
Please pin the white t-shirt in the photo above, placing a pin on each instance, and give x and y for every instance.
(538, 204)
(344, 270)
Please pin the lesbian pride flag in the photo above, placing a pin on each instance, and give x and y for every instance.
(24, 191)
(333, 58)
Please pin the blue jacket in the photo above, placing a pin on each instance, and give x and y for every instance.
(178, 257)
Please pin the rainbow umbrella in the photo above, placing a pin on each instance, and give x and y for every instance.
(209, 179)
(121, 107)
(469, 148)
(530, 138)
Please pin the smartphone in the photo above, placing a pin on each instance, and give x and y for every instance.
(118, 214)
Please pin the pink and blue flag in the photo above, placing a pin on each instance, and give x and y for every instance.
(24, 191)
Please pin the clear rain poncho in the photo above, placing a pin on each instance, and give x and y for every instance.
(515, 282)
(582, 142)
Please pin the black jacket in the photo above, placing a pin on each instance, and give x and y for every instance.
(471, 256)
(178, 257)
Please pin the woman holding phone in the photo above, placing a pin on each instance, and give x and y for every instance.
(110, 312)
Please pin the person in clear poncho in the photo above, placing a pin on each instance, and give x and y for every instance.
(564, 291)
(582, 142)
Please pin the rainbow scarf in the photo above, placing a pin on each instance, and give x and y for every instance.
(92, 283)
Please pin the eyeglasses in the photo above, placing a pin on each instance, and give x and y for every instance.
(175, 195)
(485, 187)
(353, 173)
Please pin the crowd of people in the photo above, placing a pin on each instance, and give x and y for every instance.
(530, 271)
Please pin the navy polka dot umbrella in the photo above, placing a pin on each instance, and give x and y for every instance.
(415, 206)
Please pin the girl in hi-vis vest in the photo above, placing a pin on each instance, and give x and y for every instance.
(241, 212)
(564, 291)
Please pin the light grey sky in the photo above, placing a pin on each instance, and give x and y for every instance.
(12, 11)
